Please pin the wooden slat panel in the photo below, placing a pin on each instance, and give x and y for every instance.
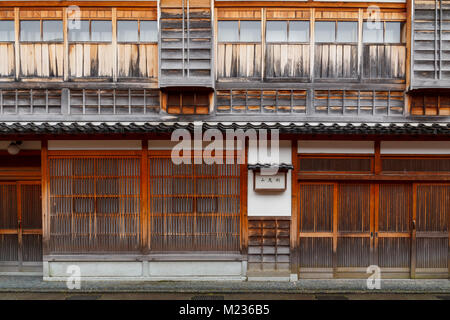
(7, 67)
(433, 211)
(138, 60)
(268, 244)
(238, 60)
(90, 60)
(194, 207)
(295, 66)
(336, 61)
(41, 60)
(94, 204)
(383, 61)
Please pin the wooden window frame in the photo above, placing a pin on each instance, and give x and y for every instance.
(14, 31)
(41, 31)
(139, 32)
(288, 21)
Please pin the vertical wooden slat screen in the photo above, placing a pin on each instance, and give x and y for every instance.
(94, 203)
(354, 226)
(193, 207)
(31, 214)
(8, 222)
(432, 210)
(316, 226)
(394, 227)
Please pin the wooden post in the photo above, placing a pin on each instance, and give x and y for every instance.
(20, 226)
(413, 233)
(114, 43)
(377, 158)
(66, 46)
(263, 42)
(335, 228)
(145, 219)
(294, 237)
(244, 195)
(45, 198)
(16, 42)
(311, 44)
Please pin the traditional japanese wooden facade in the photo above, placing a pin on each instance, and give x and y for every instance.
(91, 92)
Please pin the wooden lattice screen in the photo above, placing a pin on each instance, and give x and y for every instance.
(94, 203)
(194, 207)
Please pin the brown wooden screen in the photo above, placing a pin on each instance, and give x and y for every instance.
(354, 226)
(194, 207)
(393, 236)
(432, 225)
(20, 225)
(94, 203)
(316, 205)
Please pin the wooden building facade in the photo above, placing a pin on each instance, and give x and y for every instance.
(91, 92)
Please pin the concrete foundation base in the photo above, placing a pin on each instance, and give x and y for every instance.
(204, 270)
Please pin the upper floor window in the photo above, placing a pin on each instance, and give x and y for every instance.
(6, 30)
(92, 30)
(41, 30)
(383, 32)
(137, 31)
(287, 31)
(239, 31)
(336, 31)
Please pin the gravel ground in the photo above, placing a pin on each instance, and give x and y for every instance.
(36, 284)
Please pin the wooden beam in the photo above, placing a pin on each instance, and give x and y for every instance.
(145, 219)
(45, 199)
(17, 43)
(413, 233)
(294, 236)
(114, 43)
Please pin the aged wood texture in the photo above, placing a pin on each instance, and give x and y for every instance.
(239, 60)
(430, 104)
(90, 60)
(7, 67)
(286, 61)
(383, 61)
(41, 59)
(268, 243)
(336, 61)
(94, 203)
(137, 60)
(193, 207)
(20, 224)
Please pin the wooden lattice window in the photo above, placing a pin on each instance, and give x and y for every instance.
(188, 102)
(335, 164)
(430, 105)
(94, 203)
(194, 207)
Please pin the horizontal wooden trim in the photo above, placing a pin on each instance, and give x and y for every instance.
(98, 3)
(315, 234)
(32, 231)
(89, 153)
(286, 218)
(373, 177)
(382, 234)
(428, 234)
(394, 7)
(150, 257)
(9, 231)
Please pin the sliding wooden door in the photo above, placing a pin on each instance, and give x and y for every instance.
(432, 214)
(354, 245)
(20, 226)
(393, 226)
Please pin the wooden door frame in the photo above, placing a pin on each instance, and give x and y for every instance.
(20, 229)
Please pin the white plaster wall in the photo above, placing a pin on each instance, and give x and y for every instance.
(335, 146)
(270, 203)
(94, 145)
(415, 147)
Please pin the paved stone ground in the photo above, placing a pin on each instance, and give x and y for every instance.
(218, 296)
(35, 284)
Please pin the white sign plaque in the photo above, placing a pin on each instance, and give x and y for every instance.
(276, 182)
